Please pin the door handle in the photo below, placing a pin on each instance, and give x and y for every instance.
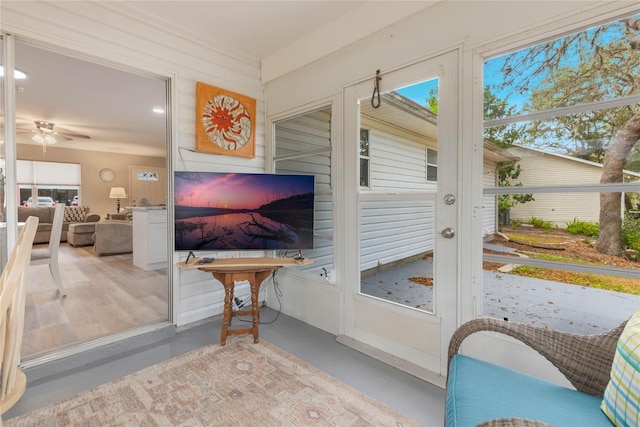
(448, 233)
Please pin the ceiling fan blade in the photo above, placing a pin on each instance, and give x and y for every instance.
(71, 135)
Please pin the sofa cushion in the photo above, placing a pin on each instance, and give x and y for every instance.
(622, 395)
(44, 213)
(479, 391)
(75, 213)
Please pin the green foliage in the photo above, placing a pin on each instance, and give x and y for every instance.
(432, 100)
(587, 228)
(515, 223)
(540, 223)
(503, 136)
(508, 172)
(631, 232)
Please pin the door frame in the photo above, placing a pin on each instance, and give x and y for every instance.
(361, 311)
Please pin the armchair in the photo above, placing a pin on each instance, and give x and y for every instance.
(113, 237)
(481, 393)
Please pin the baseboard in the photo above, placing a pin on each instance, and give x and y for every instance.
(408, 367)
(57, 363)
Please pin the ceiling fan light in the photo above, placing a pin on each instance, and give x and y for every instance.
(38, 138)
(49, 139)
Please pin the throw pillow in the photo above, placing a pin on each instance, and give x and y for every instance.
(75, 213)
(622, 394)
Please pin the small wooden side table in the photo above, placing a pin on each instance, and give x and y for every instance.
(230, 270)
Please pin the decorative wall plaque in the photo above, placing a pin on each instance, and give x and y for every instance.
(225, 122)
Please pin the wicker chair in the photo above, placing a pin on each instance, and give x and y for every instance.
(585, 360)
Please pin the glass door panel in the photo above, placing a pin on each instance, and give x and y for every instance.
(398, 186)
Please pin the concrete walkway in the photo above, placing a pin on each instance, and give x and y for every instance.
(544, 303)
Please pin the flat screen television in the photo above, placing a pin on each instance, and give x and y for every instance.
(240, 211)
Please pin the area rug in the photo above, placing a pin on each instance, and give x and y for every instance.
(240, 384)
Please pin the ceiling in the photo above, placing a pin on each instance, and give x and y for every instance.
(267, 26)
(113, 108)
(94, 106)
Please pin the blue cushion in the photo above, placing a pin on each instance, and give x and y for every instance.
(478, 391)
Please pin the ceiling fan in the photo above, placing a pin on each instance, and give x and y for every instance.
(45, 134)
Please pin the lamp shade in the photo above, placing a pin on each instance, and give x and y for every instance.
(117, 193)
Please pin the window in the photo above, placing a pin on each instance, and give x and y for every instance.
(567, 202)
(364, 158)
(432, 165)
(60, 181)
(303, 146)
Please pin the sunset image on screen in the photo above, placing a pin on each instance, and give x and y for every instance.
(231, 211)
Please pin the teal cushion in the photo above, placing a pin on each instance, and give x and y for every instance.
(479, 391)
(622, 395)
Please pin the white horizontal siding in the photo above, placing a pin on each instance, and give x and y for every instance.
(489, 208)
(397, 162)
(392, 230)
(539, 169)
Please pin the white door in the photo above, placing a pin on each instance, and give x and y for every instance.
(401, 210)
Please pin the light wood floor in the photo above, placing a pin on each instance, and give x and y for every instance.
(105, 295)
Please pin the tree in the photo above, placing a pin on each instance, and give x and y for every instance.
(593, 65)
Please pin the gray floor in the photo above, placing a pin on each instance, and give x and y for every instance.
(409, 395)
(571, 308)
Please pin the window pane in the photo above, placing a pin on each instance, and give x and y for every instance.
(364, 172)
(432, 173)
(584, 67)
(364, 142)
(304, 146)
(397, 211)
(566, 256)
(432, 157)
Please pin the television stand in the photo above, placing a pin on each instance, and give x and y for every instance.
(230, 270)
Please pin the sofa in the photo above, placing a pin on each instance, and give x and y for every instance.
(480, 393)
(113, 237)
(72, 214)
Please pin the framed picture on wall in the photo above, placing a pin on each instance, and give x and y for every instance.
(225, 122)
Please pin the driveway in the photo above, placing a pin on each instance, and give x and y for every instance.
(537, 302)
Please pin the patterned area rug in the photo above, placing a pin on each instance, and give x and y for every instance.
(240, 384)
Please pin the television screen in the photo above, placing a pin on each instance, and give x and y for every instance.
(235, 211)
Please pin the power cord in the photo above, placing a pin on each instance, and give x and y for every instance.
(277, 291)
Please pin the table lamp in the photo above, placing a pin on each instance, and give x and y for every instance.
(117, 193)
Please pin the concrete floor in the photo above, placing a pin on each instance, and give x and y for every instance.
(571, 308)
(392, 283)
(417, 399)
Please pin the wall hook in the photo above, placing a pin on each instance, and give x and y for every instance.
(375, 98)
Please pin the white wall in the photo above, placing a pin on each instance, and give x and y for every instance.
(109, 31)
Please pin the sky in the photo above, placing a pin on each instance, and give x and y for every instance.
(419, 92)
(238, 191)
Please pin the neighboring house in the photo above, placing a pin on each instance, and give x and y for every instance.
(539, 168)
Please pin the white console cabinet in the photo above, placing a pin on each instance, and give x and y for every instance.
(150, 238)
